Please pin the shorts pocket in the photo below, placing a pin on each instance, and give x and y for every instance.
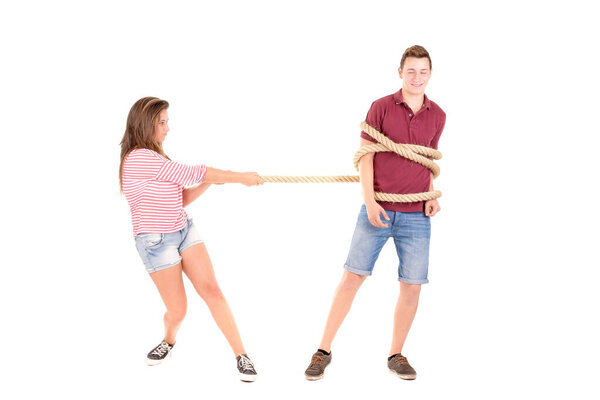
(152, 240)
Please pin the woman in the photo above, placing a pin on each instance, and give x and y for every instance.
(157, 189)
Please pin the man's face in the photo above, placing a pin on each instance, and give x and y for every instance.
(415, 75)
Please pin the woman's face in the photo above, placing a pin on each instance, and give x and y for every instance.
(162, 126)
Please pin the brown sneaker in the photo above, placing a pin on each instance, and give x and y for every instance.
(399, 365)
(316, 369)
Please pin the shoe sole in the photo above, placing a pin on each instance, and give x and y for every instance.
(317, 377)
(406, 377)
(152, 362)
(247, 378)
(313, 378)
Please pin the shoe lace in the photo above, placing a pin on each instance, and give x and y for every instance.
(316, 360)
(245, 363)
(161, 349)
(400, 360)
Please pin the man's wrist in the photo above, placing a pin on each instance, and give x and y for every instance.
(369, 201)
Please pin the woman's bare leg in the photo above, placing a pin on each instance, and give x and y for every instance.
(198, 268)
(170, 286)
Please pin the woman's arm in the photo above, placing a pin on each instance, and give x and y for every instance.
(218, 176)
(214, 175)
(192, 193)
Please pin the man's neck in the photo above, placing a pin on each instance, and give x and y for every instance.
(414, 101)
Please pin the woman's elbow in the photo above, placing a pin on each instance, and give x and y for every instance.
(209, 176)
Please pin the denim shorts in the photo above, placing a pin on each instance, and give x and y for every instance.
(163, 250)
(411, 232)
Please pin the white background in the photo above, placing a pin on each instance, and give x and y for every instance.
(280, 88)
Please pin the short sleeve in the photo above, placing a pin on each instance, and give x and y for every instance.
(438, 133)
(375, 119)
(181, 174)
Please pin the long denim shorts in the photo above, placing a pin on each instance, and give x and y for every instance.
(411, 232)
(163, 250)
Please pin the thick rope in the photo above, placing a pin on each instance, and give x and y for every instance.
(413, 152)
(310, 179)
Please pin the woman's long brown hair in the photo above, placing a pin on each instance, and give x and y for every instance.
(139, 132)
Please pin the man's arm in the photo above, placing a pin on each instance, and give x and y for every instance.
(431, 206)
(365, 168)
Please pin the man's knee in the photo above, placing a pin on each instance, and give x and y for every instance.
(351, 281)
(410, 292)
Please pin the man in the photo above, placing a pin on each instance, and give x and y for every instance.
(407, 116)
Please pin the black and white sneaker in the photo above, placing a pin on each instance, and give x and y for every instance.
(246, 369)
(159, 353)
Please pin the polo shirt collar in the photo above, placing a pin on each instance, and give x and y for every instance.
(399, 99)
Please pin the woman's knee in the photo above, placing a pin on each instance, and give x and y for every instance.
(210, 292)
(176, 313)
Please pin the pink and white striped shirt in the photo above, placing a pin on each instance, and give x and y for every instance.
(153, 186)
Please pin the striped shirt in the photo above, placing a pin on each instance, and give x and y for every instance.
(153, 186)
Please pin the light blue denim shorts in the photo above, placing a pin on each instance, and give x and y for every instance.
(163, 250)
(411, 232)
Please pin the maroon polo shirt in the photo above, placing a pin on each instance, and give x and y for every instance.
(391, 116)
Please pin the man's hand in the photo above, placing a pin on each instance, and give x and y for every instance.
(432, 207)
(373, 212)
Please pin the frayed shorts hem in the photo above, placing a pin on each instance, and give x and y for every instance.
(156, 269)
(191, 244)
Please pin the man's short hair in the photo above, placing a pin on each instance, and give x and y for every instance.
(417, 52)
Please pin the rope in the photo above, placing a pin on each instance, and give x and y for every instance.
(310, 179)
(419, 154)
